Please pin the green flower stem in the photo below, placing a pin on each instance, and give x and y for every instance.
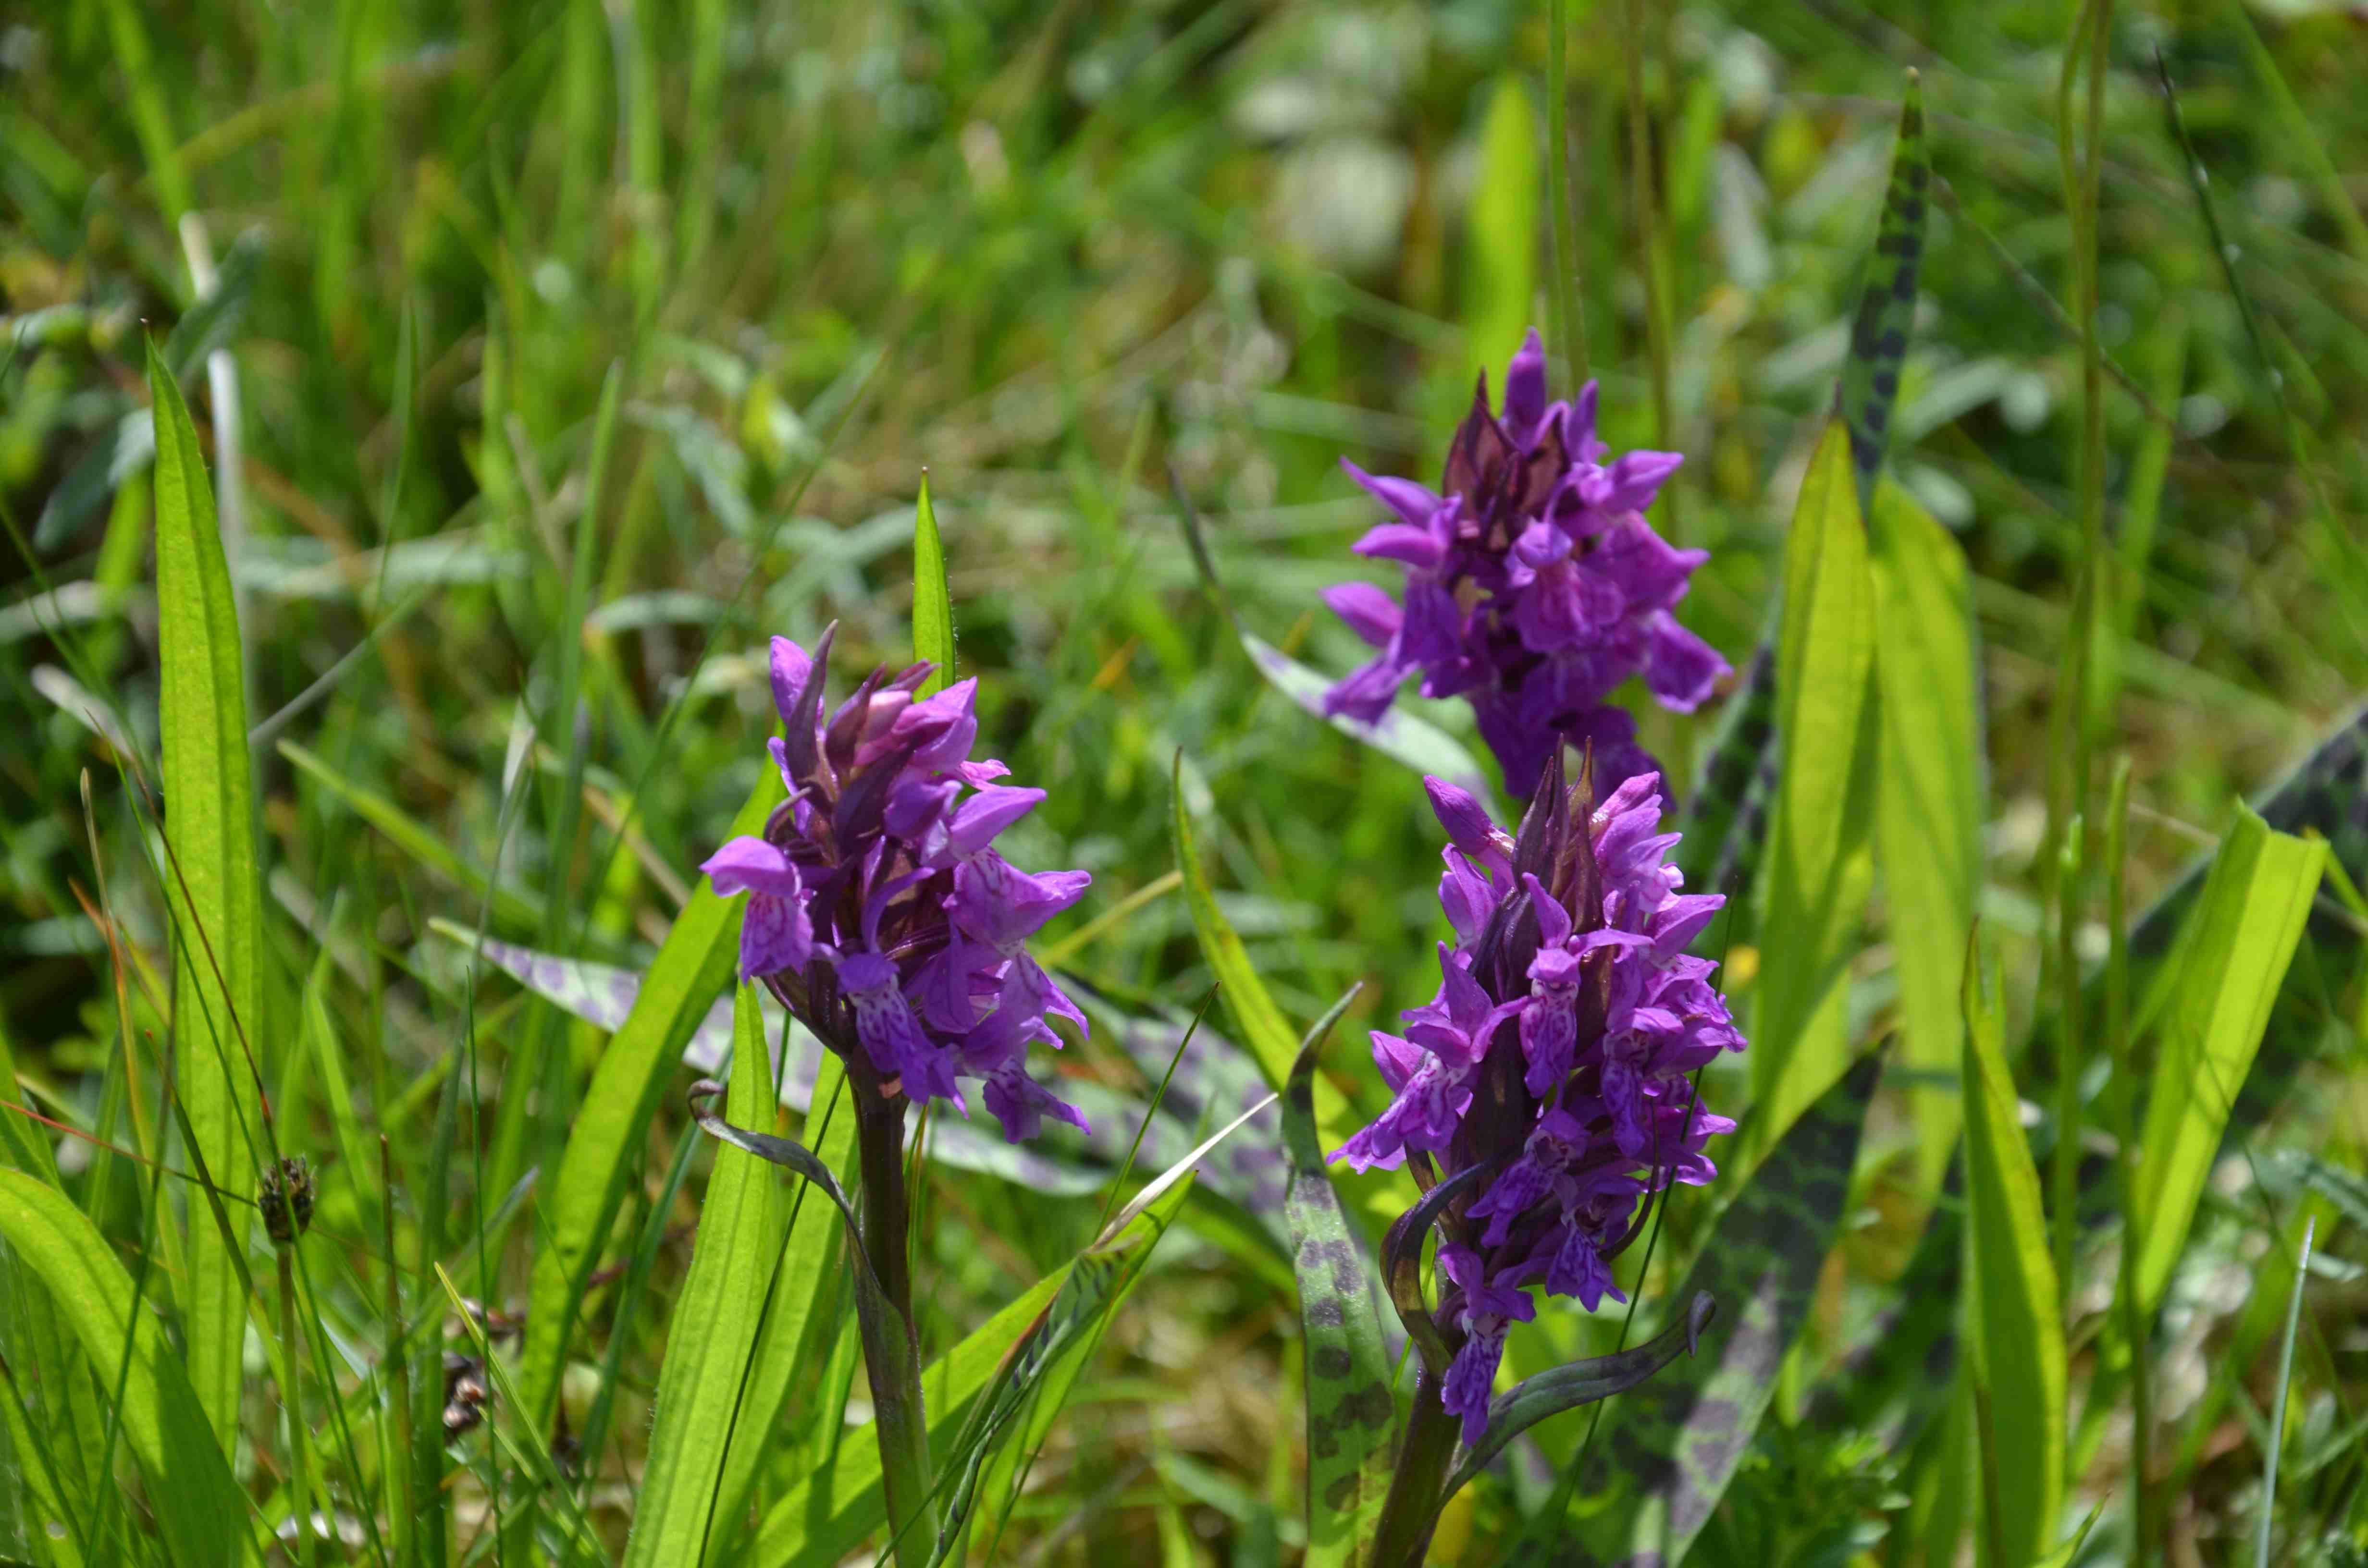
(299, 1488)
(1419, 1484)
(891, 1357)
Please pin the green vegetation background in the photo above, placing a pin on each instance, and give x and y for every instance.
(1047, 252)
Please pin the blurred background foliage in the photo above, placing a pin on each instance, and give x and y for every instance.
(1048, 251)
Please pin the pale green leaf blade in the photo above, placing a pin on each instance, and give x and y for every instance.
(1256, 1020)
(1397, 733)
(1352, 1413)
(933, 600)
(2014, 1328)
(198, 1506)
(695, 963)
(1886, 305)
(1928, 796)
(2225, 975)
(715, 1320)
(1818, 868)
(211, 883)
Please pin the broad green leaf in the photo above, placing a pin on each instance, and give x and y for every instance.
(1501, 238)
(1352, 1413)
(1255, 1017)
(2014, 1327)
(1886, 304)
(933, 600)
(1396, 733)
(212, 887)
(2222, 980)
(829, 1513)
(741, 1226)
(46, 1515)
(411, 838)
(1669, 1448)
(1928, 796)
(200, 1508)
(1818, 868)
(694, 963)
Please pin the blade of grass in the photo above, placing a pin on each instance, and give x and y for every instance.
(693, 965)
(2277, 1435)
(1501, 234)
(1928, 796)
(1818, 866)
(215, 896)
(933, 601)
(1570, 311)
(2014, 1325)
(198, 1506)
(2224, 976)
(1256, 1020)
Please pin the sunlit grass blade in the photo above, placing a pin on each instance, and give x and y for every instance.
(692, 968)
(803, 1289)
(1257, 1019)
(716, 1320)
(933, 600)
(1664, 1461)
(2208, 1019)
(2014, 1328)
(1928, 795)
(198, 1505)
(211, 881)
(1819, 868)
(827, 1514)
(2277, 1435)
(1352, 1413)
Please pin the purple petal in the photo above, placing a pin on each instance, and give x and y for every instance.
(1021, 1104)
(1418, 548)
(775, 935)
(1414, 504)
(1469, 827)
(957, 707)
(750, 865)
(1684, 670)
(977, 819)
(1370, 613)
(1525, 389)
(1366, 693)
(1651, 573)
(1637, 477)
(1470, 1376)
(790, 666)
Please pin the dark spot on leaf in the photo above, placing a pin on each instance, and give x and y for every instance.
(1367, 1406)
(1341, 1494)
(1324, 1311)
(1334, 1363)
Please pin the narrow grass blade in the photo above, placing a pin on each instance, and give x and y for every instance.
(1667, 1450)
(2278, 1413)
(817, 1522)
(1818, 866)
(1928, 796)
(199, 1507)
(210, 884)
(2062, 1557)
(715, 1321)
(2220, 983)
(933, 600)
(1352, 1413)
(1398, 735)
(413, 839)
(1886, 303)
(804, 1288)
(694, 964)
(2014, 1326)
(1255, 1017)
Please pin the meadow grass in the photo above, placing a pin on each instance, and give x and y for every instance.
(413, 420)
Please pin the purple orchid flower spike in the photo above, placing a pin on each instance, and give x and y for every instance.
(880, 911)
(1552, 1073)
(1533, 585)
